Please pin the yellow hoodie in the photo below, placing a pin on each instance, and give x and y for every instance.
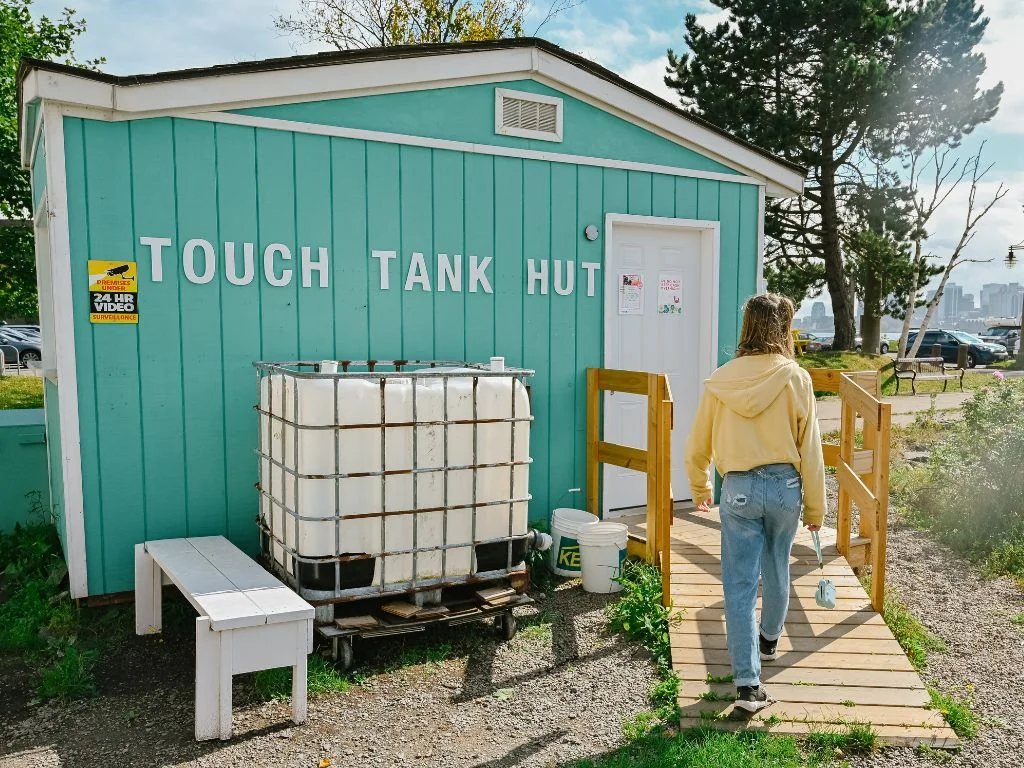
(758, 410)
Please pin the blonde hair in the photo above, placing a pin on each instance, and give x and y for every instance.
(767, 321)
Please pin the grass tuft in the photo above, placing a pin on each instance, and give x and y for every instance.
(911, 634)
(1018, 620)
(856, 739)
(322, 678)
(538, 627)
(964, 721)
(70, 676)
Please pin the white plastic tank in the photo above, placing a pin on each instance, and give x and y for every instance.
(358, 408)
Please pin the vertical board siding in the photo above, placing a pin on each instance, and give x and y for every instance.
(55, 459)
(168, 430)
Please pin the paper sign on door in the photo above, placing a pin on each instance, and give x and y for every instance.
(670, 295)
(631, 293)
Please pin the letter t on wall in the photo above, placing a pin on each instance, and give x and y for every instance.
(385, 267)
(156, 255)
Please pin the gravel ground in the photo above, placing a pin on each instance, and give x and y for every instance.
(545, 699)
(984, 656)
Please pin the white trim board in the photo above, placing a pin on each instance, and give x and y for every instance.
(64, 340)
(216, 90)
(316, 129)
(710, 252)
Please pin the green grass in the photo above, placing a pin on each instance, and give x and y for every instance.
(21, 392)
(322, 678)
(910, 633)
(1018, 620)
(964, 721)
(538, 627)
(856, 739)
(70, 676)
(709, 748)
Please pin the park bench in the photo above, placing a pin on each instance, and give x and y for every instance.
(917, 369)
(248, 620)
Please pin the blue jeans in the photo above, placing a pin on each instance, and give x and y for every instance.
(760, 514)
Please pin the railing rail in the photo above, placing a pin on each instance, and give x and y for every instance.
(863, 473)
(655, 461)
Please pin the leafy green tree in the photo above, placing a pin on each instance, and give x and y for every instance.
(814, 80)
(347, 24)
(21, 37)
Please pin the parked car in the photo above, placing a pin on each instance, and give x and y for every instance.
(31, 329)
(811, 342)
(1006, 335)
(17, 348)
(978, 352)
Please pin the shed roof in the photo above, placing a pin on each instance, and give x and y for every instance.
(245, 83)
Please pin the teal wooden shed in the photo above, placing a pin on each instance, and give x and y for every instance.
(451, 202)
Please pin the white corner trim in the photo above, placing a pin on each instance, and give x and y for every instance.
(215, 92)
(64, 338)
(762, 287)
(362, 134)
(500, 94)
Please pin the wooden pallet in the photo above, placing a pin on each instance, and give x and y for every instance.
(835, 667)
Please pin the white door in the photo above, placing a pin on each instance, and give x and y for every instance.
(661, 327)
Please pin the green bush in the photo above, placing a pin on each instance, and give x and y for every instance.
(972, 494)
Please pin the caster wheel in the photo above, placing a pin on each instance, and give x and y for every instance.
(507, 626)
(342, 652)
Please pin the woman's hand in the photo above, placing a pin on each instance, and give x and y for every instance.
(813, 528)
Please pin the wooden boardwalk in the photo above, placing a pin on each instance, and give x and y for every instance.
(835, 667)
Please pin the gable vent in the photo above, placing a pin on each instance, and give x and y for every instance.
(528, 115)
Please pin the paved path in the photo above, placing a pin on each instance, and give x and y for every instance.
(904, 407)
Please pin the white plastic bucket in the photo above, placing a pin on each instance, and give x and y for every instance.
(565, 550)
(602, 550)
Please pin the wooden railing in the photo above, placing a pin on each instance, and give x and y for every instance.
(655, 461)
(863, 473)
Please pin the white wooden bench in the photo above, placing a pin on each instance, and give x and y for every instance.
(248, 620)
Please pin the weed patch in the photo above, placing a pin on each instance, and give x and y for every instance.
(856, 739)
(1018, 620)
(321, 677)
(971, 493)
(538, 627)
(70, 676)
(958, 712)
(911, 634)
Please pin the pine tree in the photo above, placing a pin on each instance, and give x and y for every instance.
(813, 81)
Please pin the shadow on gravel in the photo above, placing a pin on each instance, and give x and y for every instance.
(521, 753)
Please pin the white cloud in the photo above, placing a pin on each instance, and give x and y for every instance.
(651, 75)
(1002, 49)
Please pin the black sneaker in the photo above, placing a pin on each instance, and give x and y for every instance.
(752, 699)
(769, 648)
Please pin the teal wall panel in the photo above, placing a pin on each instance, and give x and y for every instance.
(24, 492)
(167, 425)
(39, 173)
(466, 113)
(54, 460)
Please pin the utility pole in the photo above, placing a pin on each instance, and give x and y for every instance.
(1011, 262)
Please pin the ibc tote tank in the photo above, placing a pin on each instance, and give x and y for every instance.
(383, 478)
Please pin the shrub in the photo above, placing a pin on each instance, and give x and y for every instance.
(972, 495)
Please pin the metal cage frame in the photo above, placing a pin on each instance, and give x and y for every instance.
(380, 371)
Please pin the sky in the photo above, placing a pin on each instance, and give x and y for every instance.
(630, 38)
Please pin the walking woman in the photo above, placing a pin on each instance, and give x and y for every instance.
(756, 423)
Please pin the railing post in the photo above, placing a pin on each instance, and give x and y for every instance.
(847, 433)
(654, 503)
(593, 436)
(881, 491)
(665, 419)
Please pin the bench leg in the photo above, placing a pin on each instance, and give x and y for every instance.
(148, 593)
(226, 668)
(299, 703)
(208, 725)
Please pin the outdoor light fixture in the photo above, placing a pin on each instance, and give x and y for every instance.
(591, 233)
